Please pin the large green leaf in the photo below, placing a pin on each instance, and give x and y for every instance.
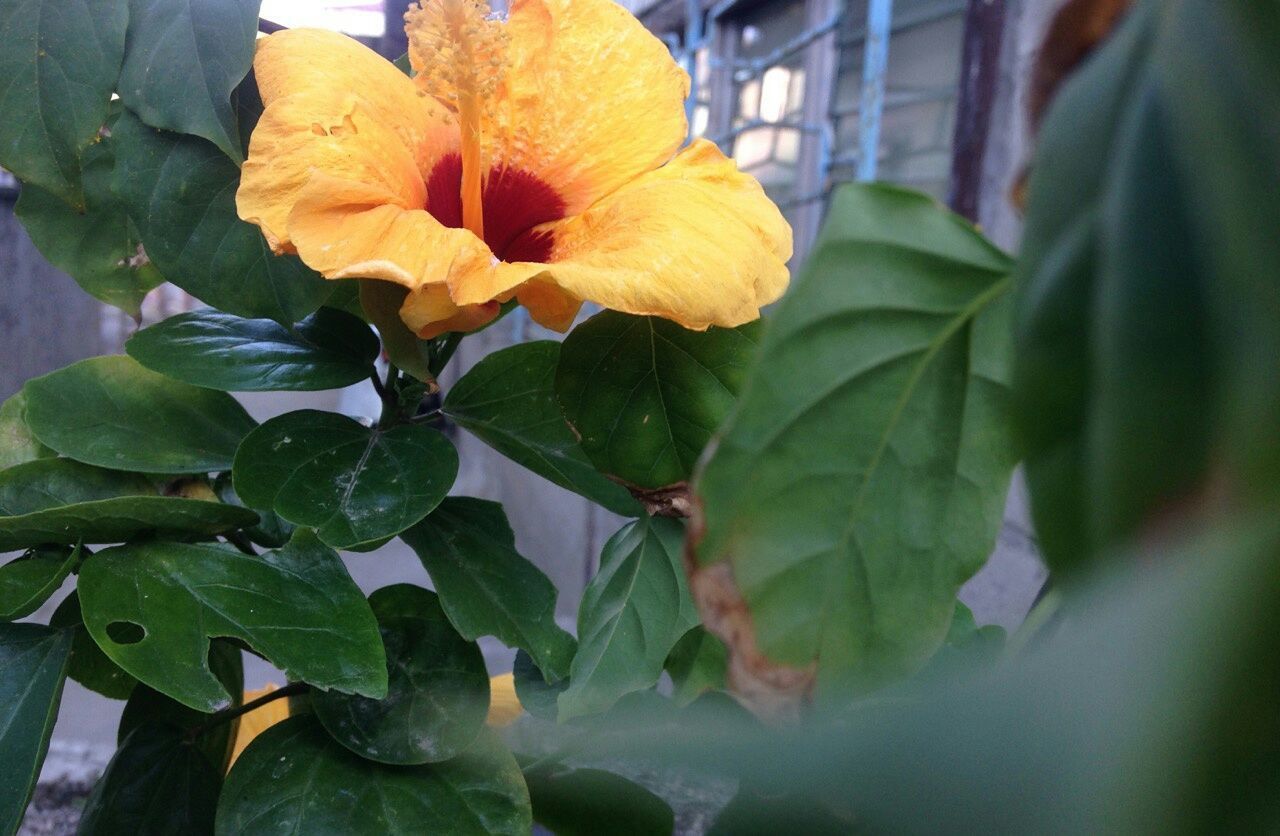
(180, 192)
(157, 782)
(59, 62)
(1147, 313)
(437, 692)
(89, 665)
(633, 612)
(112, 412)
(327, 350)
(183, 61)
(862, 479)
(508, 401)
(486, 587)
(63, 501)
(645, 394)
(152, 607)
(585, 802)
(353, 484)
(33, 666)
(27, 582)
(95, 243)
(147, 706)
(17, 444)
(294, 778)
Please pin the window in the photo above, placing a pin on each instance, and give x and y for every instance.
(778, 85)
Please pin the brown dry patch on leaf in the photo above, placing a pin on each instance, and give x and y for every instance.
(671, 501)
(1075, 32)
(773, 692)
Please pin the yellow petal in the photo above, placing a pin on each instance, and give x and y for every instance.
(590, 99)
(548, 305)
(504, 705)
(696, 241)
(334, 107)
(345, 230)
(259, 720)
(430, 312)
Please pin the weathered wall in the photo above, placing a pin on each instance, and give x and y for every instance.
(46, 320)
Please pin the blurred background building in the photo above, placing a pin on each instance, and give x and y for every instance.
(804, 94)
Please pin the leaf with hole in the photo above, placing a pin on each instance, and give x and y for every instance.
(64, 501)
(96, 244)
(862, 478)
(294, 772)
(353, 484)
(205, 49)
(633, 612)
(112, 412)
(157, 782)
(59, 62)
(152, 607)
(33, 666)
(17, 444)
(327, 350)
(508, 401)
(437, 687)
(27, 582)
(645, 394)
(147, 706)
(89, 666)
(486, 587)
(180, 192)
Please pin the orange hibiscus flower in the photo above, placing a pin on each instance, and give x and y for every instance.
(535, 157)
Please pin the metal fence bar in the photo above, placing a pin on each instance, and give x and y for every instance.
(875, 63)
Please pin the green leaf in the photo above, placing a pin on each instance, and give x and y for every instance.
(536, 696)
(181, 194)
(486, 587)
(147, 706)
(63, 501)
(17, 444)
(327, 350)
(508, 401)
(33, 666)
(1147, 315)
(585, 802)
(152, 607)
(381, 302)
(697, 664)
(112, 412)
(353, 484)
(60, 62)
(96, 243)
(645, 394)
(295, 778)
(157, 782)
(633, 612)
(437, 692)
(862, 478)
(271, 532)
(27, 582)
(183, 61)
(89, 665)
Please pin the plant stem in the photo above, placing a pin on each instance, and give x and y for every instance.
(228, 714)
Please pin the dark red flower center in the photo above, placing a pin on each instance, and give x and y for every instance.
(513, 201)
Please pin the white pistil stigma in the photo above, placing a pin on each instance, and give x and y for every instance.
(459, 53)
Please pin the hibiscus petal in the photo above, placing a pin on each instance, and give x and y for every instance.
(316, 120)
(590, 99)
(696, 242)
